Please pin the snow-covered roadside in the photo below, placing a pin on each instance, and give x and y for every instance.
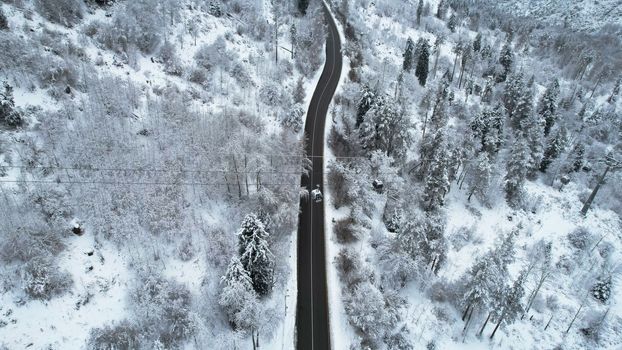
(341, 334)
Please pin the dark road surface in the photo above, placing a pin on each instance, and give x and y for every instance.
(312, 326)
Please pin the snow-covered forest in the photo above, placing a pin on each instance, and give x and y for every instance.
(150, 161)
(475, 176)
(151, 154)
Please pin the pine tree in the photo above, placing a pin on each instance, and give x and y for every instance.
(422, 238)
(366, 102)
(547, 108)
(578, 161)
(437, 179)
(438, 42)
(533, 132)
(553, 150)
(255, 254)
(516, 172)
(421, 72)
(299, 92)
(441, 10)
(479, 181)
(487, 128)
(237, 297)
(408, 55)
(8, 113)
(512, 306)
(385, 129)
(517, 100)
(302, 6)
(419, 12)
(506, 58)
(615, 91)
(4, 24)
(477, 43)
(452, 22)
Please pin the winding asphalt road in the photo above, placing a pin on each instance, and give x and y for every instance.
(312, 326)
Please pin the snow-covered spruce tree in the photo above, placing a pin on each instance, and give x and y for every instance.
(515, 99)
(9, 115)
(481, 284)
(452, 22)
(533, 132)
(615, 91)
(366, 102)
(554, 149)
(601, 290)
(421, 71)
(421, 236)
(441, 10)
(255, 254)
(238, 298)
(487, 128)
(385, 129)
(481, 176)
(437, 174)
(512, 306)
(516, 172)
(299, 91)
(408, 55)
(547, 108)
(477, 42)
(302, 6)
(506, 58)
(371, 312)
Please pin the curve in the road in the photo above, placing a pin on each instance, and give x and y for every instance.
(312, 318)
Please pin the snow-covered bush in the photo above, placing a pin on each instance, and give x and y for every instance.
(293, 119)
(170, 60)
(65, 12)
(580, 238)
(163, 309)
(42, 279)
(137, 24)
(351, 268)
(345, 231)
(124, 335)
(199, 75)
(241, 75)
(186, 250)
(24, 245)
(372, 312)
(271, 94)
(339, 183)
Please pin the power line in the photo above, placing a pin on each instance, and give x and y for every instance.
(162, 183)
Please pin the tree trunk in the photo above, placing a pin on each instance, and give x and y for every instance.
(497, 326)
(468, 321)
(549, 322)
(471, 194)
(253, 339)
(246, 174)
(466, 311)
(595, 86)
(425, 123)
(484, 326)
(574, 318)
(237, 177)
(535, 293)
(589, 201)
(436, 63)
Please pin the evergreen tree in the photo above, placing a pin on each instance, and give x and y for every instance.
(4, 24)
(533, 132)
(419, 12)
(487, 128)
(422, 238)
(438, 42)
(479, 181)
(615, 91)
(477, 43)
(516, 171)
(553, 150)
(255, 254)
(237, 297)
(517, 100)
(452, 22)
(578, 161)
(408, 55)
(506, 58)
(8, 113)
(512, 306)
(385, 129)
(547, 108)
(421, 72)
(302, 6)
(441, 10)
(366, 102)
(299, 92)
(437, 179)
